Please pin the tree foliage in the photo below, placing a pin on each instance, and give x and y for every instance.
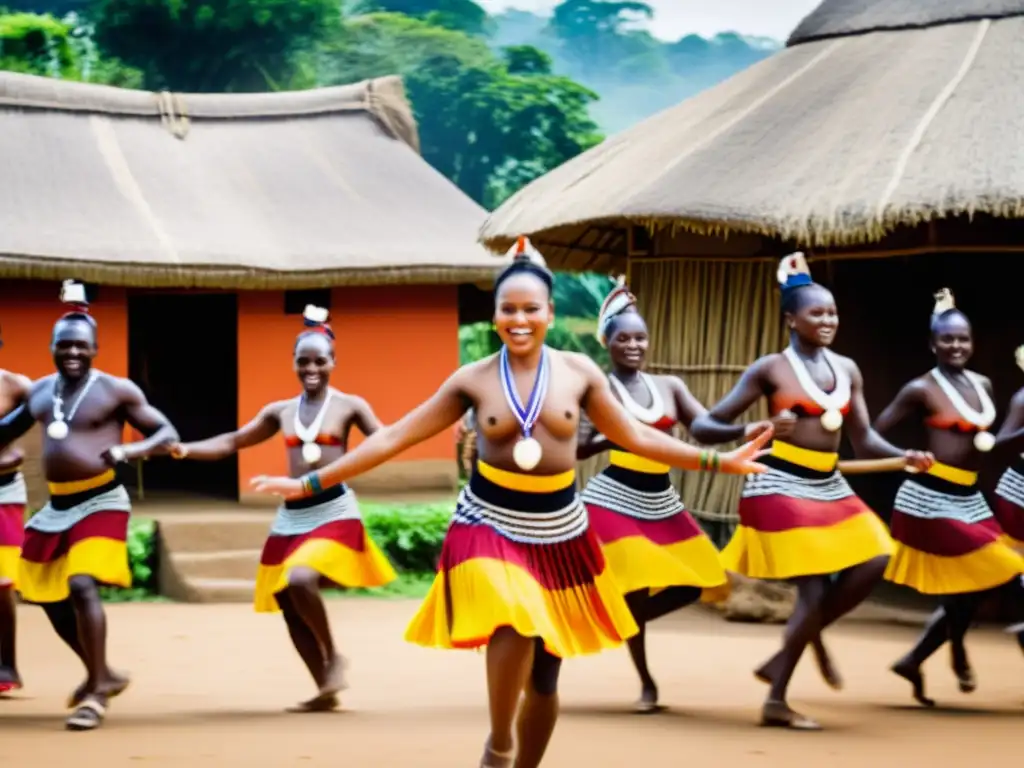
(490, 122)
(462, 15)
(215, 45)
(39, 44)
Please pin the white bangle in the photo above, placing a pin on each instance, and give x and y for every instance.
(117, 454)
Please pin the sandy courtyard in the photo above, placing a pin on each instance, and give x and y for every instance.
(211, 682)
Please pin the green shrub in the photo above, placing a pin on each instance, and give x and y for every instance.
(409, 534)
(141, 560)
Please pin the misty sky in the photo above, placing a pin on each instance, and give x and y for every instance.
(675, 18)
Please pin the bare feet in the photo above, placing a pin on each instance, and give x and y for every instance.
(648, 701)
(913, 675)
(777, 714)
(319, 703)
(116, 684)
(492, 759)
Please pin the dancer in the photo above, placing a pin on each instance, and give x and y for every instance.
(660, 557)
(520, 572)
(948, 542)
(318, 540)
(78, 540)
(1009, 506)
(14, 389)
(801, 521)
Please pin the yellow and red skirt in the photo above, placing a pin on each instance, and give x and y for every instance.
(801, 518)
(83, 531)
(1009, 504)
(519, 553)
(12, 525)
(947, 539)
(325, 534)
(648, 538)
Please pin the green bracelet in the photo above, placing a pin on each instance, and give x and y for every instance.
(716, 461)
(702, 461)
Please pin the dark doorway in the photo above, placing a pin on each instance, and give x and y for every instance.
(183, 353)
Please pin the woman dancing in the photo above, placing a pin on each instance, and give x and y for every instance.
(801, 521)
(1009, 506)
(520, 572)
(948, 542)
(658, 554)
(318, 540)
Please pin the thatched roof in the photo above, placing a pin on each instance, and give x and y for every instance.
(879, 113)
(269, 190)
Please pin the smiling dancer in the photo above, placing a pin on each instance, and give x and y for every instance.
(319, 540)
(78, 540)
(948, 542)
(521, 573)
(14, 389)
(659, 556)
(801, 521)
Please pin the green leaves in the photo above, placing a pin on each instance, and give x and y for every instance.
(489, 122)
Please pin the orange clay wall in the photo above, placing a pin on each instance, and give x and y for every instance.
(395, 346)
(28, 310)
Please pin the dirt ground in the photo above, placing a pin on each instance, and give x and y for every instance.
(211, 682)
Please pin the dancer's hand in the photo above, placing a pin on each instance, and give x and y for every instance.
(784, 423)
(920, 461)
(743, 461)
(178, 451)
(756, 429)
(285, 487)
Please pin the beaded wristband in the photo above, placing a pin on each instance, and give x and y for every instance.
(702, 461)
(716, 461)
(311, 484)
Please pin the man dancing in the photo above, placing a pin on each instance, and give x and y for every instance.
(14, 389)
(78, 540)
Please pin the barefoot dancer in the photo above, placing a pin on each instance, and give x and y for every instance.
(948, 542)
(78, 540)
(660, 557)
(801, 521)
(521, 573)
(14, 389)
(314, 541)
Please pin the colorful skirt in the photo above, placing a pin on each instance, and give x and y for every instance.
(1009, 505)
(325, 534)
(648, 538)
(519, 553)
(801, 518)
(83, 531)
(12, 525)
(947, 539)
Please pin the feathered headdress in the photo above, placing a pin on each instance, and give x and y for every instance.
(315, 319)
(619, 300)
(793, 271)
(524, 250)
(944, 302)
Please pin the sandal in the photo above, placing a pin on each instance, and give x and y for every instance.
(493, 759)
(87, 717)
(777, 714)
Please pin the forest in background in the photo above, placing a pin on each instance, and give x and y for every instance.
(500, 100)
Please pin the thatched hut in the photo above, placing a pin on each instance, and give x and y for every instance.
(884, 140)
(205, 223)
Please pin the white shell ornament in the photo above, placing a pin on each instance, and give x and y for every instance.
(57, 430)
(832, 420)
(527, 454)
(311, 453)
(984, 441)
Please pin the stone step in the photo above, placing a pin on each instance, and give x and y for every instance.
(202, 590)
(206, 533)
(219, 564)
